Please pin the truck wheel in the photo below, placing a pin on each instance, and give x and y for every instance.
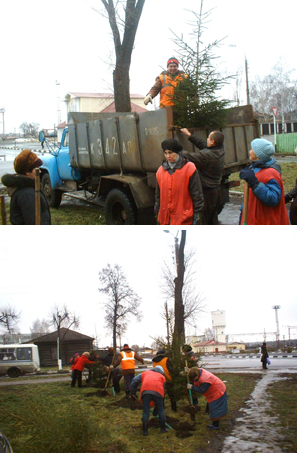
(53, 197)
(119, 209)
(13, 372)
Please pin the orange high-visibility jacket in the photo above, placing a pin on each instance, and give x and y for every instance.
(128, 360)
(168, 86)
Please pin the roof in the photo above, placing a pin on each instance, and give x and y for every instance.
(134, 108)
(66, 334)
(62, 125)
(99, 95)
(208, 343)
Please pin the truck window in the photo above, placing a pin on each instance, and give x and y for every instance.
(66, 140)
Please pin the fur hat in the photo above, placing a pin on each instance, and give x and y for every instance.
(110, 350)
(263, 149)
(87, 354)
(26, 161)
(172, 60)
(172, 145)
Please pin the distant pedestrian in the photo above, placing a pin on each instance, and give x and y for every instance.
(152, 391)
(79, 365)
(21, 189)
(127, 359)
(214, 391)
(41, 138)
(264, 356)
(292, 197)
(266, 204)
(178, 197)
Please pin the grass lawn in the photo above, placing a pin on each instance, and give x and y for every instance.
(56, 418)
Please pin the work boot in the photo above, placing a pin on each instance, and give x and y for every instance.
(145, 429)
(163, 427)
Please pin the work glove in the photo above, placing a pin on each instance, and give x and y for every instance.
(287, 198)
(197, 219)
(189, 386)
(249, 176)
(187, 369)
(148, 98)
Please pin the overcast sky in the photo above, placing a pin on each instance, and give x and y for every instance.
(244, 271)
(67, 42)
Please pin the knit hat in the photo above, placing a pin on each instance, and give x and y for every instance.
(172, 145)
(26, 161)
(263, 149)
(161, 352)
(187, 348)
(126, 345)
(172, 60)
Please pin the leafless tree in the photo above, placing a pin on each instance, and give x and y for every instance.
(209, 334)
(60, 317)
(9, 318)
(122, 302)
(39, 327)
(123, 19)
(193, 301)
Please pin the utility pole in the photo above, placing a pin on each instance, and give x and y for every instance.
(277, 307)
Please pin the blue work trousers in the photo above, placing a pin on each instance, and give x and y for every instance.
(159, 405)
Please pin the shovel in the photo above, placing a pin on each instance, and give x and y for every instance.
(245, 203)
(191, 407)
(104, 392)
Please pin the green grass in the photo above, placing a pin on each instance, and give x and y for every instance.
(56, 418)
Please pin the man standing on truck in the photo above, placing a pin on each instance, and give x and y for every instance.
(209, 161)
(166, 84)
(178, 196)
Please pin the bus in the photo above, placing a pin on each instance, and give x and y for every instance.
(17, 359)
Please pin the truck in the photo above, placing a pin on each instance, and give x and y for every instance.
(112, 159)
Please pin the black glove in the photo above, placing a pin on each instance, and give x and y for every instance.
(249, 176)
(287, 198)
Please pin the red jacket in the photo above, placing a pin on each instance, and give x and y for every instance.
(216, 389)
(153, 381)
(176, 204)
(80, 363)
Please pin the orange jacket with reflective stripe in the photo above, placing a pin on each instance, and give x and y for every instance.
(168, 86)
(128, 360)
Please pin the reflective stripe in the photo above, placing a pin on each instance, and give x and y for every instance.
(128, 361)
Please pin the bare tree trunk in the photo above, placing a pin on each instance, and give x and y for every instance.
(179, 328)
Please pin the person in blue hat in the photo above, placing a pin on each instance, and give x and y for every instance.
(266, 189)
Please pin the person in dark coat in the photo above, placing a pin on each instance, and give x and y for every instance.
(178, 196)
(21, 189)
(209, 161)
(152, 390)
(292, 197)
(162, 360)
(116, 374)
(213, 389)
(264, 356)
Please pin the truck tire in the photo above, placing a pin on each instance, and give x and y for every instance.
(13, 372)
(53, 197)
(119, 209)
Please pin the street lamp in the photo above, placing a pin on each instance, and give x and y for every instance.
(246, 73)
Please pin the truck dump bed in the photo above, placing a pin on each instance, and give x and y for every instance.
(131, 142)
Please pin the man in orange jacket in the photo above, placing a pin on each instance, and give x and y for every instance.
(127, 359)
(78, 368)
(166, 84)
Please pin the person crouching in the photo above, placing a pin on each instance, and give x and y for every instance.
(152, 390)
(78, 368)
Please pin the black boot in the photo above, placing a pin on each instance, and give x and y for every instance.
(163, 427)
(145, 429)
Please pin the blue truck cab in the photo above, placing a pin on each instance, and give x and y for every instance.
(57, 175)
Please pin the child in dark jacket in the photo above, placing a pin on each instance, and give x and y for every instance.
(78, 367)
(266, 189)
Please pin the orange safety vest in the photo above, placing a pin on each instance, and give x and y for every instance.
(216, 389)
(128, 361)
(163, 364)
(168, 87)
(176, 205)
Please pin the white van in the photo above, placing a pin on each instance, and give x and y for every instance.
(17, 359)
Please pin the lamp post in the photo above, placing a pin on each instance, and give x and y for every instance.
(246, 74)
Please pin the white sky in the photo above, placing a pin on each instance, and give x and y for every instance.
(66, 41)
(244, 271)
